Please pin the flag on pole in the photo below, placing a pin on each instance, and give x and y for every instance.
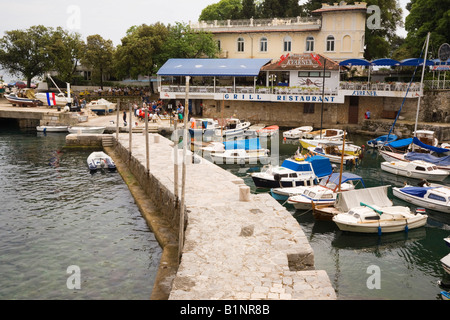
(51, 98)
(317, 58)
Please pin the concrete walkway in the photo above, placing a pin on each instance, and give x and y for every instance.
(233, 249)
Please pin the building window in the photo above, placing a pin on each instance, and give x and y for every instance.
(263, 44)
(309, 44)
(219, 45)
(240, 44)
(287, 44)
(346, 44)
(308, 108)
(330, 43)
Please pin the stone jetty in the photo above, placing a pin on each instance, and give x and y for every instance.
(237, 245)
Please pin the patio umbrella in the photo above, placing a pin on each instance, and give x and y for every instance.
(385, 62)
(355, 62)
(415, 62)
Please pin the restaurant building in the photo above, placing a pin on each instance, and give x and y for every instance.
(286, 72)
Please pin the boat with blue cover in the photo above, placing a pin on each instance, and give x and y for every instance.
(382, 140)
(434, 197)
(293, 173)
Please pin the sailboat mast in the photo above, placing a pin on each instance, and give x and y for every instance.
(421, 84)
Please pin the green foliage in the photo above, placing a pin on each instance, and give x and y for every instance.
(427, 16)
(98, 55)
(65, 51)
(183, 42)
(141, 50)
(24, 52)
(223, 10)
(246, 9)
(146, 48)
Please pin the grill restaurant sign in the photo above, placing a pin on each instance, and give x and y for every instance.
(279, 98)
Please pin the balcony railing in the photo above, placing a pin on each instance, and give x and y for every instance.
(379, 86)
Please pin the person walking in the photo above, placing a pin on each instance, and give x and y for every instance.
(125, 118)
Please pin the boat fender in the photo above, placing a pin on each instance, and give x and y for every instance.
(408, 173)
(277, 177)
(406, 226)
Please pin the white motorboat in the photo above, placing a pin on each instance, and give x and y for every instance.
(434, 198)
(268, 131)
(371, 211)
(445, 261)
(326, 134)
(417, 169)
(297, 133)
(427, 137)
(241, 156)
(375, 219)
(349, 148)
(101, 106)
(292, 173)
(100, 160)
(23, 98)
(325, 193)
(203, 127)
(53, 99)
(348, 182)
(46, 129)
(232, 127)
(331, 151)
(86, 130)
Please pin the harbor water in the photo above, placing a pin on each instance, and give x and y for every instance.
(404, 265)
(67, 233)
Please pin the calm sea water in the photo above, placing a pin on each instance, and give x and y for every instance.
(408, 263)
(56, 214)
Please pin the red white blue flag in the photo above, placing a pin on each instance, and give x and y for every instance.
(51, 98)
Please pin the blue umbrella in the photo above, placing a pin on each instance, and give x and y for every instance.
(385, 62)
(355, 62)
(415, 62)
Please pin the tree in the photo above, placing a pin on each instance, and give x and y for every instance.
(280, 9)
(141, 50)
(248, 9)
(98, 54)
(25, 52)
(223, 10)
(65, 50)
(183, 42)
(427, 16)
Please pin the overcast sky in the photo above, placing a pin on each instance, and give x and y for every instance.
(108, 18)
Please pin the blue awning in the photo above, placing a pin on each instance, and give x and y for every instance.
(213, 67)
(385, 62)
(415, 62)
(355, 62)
